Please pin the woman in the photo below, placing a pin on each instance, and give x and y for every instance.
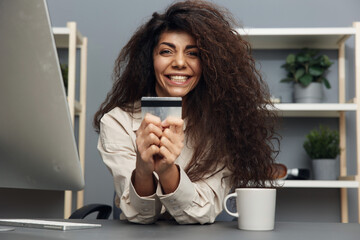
(185, 167)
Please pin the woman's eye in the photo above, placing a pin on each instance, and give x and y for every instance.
(194, 54)
(165, 51)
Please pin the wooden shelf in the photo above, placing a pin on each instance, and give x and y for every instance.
(313, 109)
(61, 35)
(296, 38)
(78, 108)
(318, 184)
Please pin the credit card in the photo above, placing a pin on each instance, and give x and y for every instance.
(161, 106)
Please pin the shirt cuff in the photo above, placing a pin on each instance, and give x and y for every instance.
(177, 201)
(149, 205)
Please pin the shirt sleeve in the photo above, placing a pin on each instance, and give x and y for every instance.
(117, 148)
(196, 202)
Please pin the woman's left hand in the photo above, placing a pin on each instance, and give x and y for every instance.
(171, 144)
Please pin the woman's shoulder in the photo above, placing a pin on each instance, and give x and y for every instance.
(118, 116)
(115, 113)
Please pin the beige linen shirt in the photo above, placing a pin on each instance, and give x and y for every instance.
(191, 202)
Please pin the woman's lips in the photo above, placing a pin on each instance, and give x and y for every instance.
(178, 79)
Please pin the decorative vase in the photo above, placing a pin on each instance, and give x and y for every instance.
(313, 93)
(325, 169)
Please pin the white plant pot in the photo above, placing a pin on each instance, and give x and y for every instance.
(325, 169)
(313, 93)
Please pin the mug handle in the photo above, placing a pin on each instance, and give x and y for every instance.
(236, 214)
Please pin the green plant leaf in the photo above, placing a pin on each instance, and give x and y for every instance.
(322, 143)
(317, 60)
(326, 60)
(306, 67)
(303, 58)
(287, 80)
(299, 73)
(316, 71)
(290, 59)
(290, 68)
(326, 83)
(306, 80)
(312, 52)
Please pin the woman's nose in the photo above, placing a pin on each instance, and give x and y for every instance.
(179, 61)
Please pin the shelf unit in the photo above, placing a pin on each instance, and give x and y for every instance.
(319, 184)
(314, 110)
(70, 38)
(320, 38)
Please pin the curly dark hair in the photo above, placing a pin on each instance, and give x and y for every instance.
(227, 117)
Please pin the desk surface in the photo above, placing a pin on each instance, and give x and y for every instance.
(112, 229)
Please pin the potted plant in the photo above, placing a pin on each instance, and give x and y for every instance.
(322, 146)
(307, 69)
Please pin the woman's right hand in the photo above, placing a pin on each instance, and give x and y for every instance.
(147, 140)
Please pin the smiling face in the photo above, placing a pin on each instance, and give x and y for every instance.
(177, 64)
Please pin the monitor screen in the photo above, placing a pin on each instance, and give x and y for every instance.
(37, 143)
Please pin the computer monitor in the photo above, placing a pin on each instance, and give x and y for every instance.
(37, 144)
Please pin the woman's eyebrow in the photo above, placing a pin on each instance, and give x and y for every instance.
(169, 44)
(173, 46)
(190, 46)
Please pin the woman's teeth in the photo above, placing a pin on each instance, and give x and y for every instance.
(179, 79)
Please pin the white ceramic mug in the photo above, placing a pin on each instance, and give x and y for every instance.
(255, 208)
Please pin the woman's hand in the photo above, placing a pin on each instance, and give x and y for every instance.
(171, 144)
(159, 145)
(148, 144)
